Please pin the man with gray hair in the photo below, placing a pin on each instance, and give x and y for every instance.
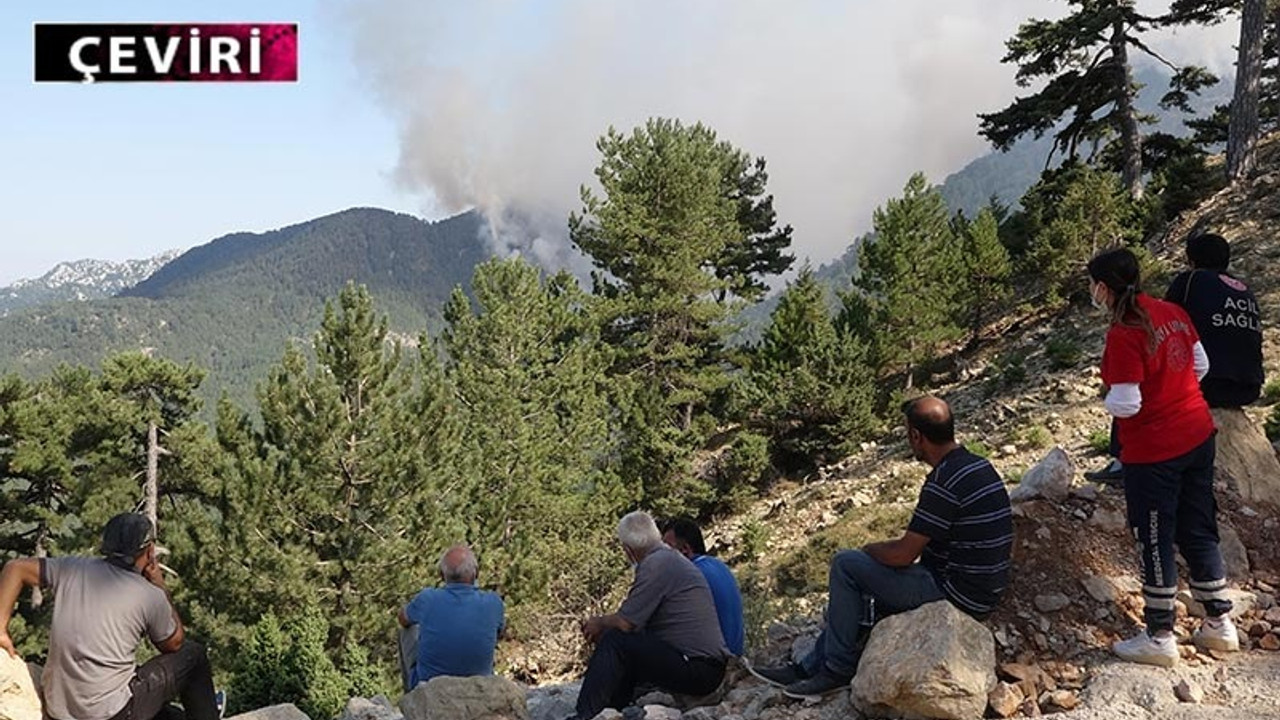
(666, 633)
(450, 630)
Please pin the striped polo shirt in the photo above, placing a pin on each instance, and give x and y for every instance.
(964, 511)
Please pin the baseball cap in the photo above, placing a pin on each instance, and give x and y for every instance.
(126, 535)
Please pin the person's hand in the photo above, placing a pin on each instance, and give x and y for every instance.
(6, 643)
(151, 571)
(592, 629)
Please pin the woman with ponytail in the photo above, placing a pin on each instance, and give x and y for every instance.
(1152, 365)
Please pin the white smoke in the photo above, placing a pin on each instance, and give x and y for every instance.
(499, 103)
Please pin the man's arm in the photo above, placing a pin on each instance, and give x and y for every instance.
(173, 643)
(898, 553)
(404, 619)
(17, 574)
(596, 626)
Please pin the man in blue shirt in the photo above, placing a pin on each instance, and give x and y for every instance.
(685, 537)
(450, 630)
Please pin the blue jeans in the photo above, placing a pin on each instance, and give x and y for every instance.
(1172, 503)
(856, 578)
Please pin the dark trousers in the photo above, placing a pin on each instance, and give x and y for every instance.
(622, 661)
(863, 590)
(1172, 503)
(184, 675)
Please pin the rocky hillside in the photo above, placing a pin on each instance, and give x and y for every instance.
(79, 281)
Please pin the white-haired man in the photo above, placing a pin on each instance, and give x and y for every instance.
(666, 633)
(450, 630)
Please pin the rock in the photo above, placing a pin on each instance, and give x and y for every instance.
(661, 712)
(552, 702)
(286, 711)
(802, 646)
(1242, 601)
(611, 714)
(1064, 699)
(1269, 642)
(1052, 602)
(18, 698)
(1005, 699)
(1234, 554)
(762, 701)
(1050, 478)
(1008, 450)
(1112, 521)
(933, 662)
(1272, 616)
(1245, 457)
(656, 697)
(1086, 492)
(1030, 708)
(1099, 588)
(378, 708)
(1188, 692)
(698, 713)
(465, 698)
(1258, 628)
(1130, 684)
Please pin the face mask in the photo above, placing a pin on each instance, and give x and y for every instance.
(1097, 304)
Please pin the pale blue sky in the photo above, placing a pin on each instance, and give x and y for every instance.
(122, 171)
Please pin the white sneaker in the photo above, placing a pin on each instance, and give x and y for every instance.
(1217, 634)
(1143, 648)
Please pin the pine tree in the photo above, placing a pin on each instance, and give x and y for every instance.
(809, 388)
(985, 277)
(903, 297)
(1084, 62)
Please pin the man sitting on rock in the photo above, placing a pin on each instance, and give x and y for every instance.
(962, 533)
(450, 630)
(102, 608)
(666, 633)
(685, 537)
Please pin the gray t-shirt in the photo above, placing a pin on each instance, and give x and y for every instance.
(100, 615)
(670, 599)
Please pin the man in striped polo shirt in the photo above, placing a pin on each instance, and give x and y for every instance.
(961, 533)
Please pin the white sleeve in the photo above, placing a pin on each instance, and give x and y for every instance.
(1201, 361)
(1124, 400)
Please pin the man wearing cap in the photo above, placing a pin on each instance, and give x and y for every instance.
(102, 609)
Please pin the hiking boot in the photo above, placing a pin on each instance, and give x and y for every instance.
(778, 675)
(824, 683)
(1149, 650)
(1112, 474)
(1217, 634)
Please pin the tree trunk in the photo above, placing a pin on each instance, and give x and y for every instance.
(151, 490)
(1130, 137)
(1242, 135)
(42, 551)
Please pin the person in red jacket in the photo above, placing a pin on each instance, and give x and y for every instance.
(1152, 365)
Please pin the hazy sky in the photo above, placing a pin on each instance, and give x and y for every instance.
(431, 107)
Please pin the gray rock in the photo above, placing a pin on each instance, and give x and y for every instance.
(802, 646)
(1099, 588)
(1234, 554)
(378, 708)
(933, 662)
(656, 697)
(286, 711)
(700, 713)
(1051, 602)
(465, 698)
(1050, 478)
(761, 701)
(18, 698)
(1242, 601)
(1111, 521)
(552, 702)
(661, 712)
(1245, 457)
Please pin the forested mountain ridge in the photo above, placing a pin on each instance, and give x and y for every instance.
(232, 304)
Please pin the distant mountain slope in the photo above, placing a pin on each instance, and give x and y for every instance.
(79, 281)
(231, 305)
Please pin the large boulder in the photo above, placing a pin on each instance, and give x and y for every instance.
(465, 698)
(1245, 457)
(553, 702)
(931, 662)
(1049, 479)
(18, 697)
(284, 711)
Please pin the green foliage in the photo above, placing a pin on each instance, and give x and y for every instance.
(1100, 440)
(681, 231)
(984, 285)
(1063, 352)
(745, 469)
(1037, 437)
(1271, 392)
(979, 448)
(1011, 368)
(289, 664)
(1272, 425)
(755, 539)
(805, 569)
(809, 389)
(903, 301)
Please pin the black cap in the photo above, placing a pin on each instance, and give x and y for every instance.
(126, 535)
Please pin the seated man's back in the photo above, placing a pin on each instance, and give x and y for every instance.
(727, 598)
(101, 613)
(669, 599)
(458, 627)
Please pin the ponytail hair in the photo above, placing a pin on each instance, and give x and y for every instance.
(1118, 271)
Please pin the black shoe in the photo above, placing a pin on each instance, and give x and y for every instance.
(1112, 474)
(778, 675)
(824, 683)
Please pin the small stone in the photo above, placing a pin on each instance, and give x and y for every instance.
(1187, 651)
(1064, 699)
(1266, 601)
(1269, 642)
(1112, 521)
(1043, 533)
(1051, 602)
(1188, 692)
(1030, 708)
(1086, 492)
(1258, 628)
(1272, 616)
(1220, 673)
(1099, 588)
(1080, 514)
(1005, 699)
(661, 712)
(656, 697)
(1008, 450)
(1247, 511)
